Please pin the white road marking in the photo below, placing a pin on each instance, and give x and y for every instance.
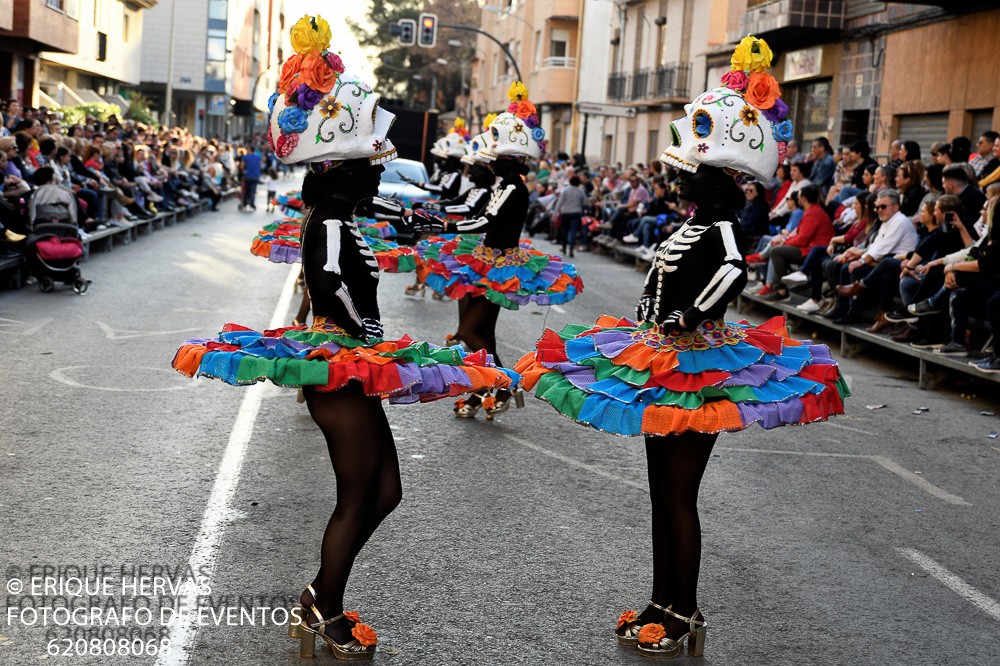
(884, 462)
(558, 308)
(9, 326)
(981, 601)
(593, 469)
(843, 427)
(213, 524)
(59, 374)
(125, 334)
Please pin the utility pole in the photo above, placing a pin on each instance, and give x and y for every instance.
(169, 101)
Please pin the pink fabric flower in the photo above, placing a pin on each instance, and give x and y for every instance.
(782, 151)
(735, 80)
(336, 64)
(286, 144)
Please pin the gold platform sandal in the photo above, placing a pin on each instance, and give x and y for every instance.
(451, 339)
(416, 288)
(360, 648)
(629, 627)
(654, 643)
(496, 406)
(467, 409)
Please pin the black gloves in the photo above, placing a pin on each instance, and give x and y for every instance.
(373, 327)
(644, 308)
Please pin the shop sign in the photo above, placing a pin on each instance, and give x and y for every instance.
(803, 64)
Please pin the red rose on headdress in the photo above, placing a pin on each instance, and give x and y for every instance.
(288, 83)
(335, 62)
(286, 144)
(735, 80)
(317, 74)
(762, 91)
(270, 137)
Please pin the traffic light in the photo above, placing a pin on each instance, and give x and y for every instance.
(407, 32)
(428, 31)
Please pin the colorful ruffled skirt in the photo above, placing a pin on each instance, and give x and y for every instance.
(290, 203)
(463, 266)
(324, 356)
(280, 243)
(628, 379)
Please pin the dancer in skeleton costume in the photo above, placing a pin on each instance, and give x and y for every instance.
(448, 169)
(681, 374)
(341, 361)
(497, 272)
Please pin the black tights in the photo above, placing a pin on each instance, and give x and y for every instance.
(477, 325)
(676, 466)
(365, 464)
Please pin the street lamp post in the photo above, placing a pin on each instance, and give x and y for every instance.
(169, 101)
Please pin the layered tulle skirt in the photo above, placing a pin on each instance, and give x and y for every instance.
(463, 266)
(638, 379)
(324, 356)
(290, 203)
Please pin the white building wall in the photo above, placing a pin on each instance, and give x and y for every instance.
(190, 29)
(597, 25)
(121, 62)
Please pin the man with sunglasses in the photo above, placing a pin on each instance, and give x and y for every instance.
(896, 235)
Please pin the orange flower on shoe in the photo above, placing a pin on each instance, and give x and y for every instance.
(628, 617)
(651, 634)
(364, 634)
(489, 402)
(317, 74)
(352, 617)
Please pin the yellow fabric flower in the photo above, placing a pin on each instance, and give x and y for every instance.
(517, 92)
(489, 120)
(311, 34)
(459, 124)
(752, 55)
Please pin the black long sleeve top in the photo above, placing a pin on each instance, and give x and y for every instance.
(470, 204)
(341, 272)
(448, 187)
(699, 269)
(503, 217)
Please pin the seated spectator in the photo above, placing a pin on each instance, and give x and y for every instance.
(883, 178)
(815, 230)
(51, 202)
(823, 165)
(627, 210)
(941, 153)
(961, 150)
(909, 152)
(895, 148)
(909, 178)
(990, 177)
(657, 217)
(800, 178)
(754, 215)
(815, 265)
(896, 235)
(956, 182)
(984, 161)
(778, 188)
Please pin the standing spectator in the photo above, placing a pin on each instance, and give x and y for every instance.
(956, 182)
(823, 164)
(569, 206)
(983, 162)
(251, 178)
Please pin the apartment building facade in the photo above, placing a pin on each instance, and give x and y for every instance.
(27, 27)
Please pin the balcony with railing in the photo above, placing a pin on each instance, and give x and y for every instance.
(559, 62)
(668, 83)
(793, 23)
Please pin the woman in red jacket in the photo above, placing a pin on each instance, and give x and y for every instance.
(815, 230)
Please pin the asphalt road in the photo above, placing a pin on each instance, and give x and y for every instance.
(868, 540)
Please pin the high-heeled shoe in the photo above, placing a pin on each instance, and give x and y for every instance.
(630, 628)
(496, 406)
(654, 643)
(416, 288)
(360, 648)
(436, 296)
(467, 409)
(452, 339)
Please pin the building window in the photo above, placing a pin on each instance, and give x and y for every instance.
(558, 43)
(54, 4)
(538, 49)
(102, 47)
(218, 9)
(809, 105)
(216, 45)
(653, 147)
(629, 149)
(125, 27)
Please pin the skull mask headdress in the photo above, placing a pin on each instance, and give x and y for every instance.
(740, 125)
(516, 132)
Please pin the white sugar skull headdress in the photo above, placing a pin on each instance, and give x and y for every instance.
(321, 113)
(452, 144)
(741, 126)
(475, 154)
(516, 132)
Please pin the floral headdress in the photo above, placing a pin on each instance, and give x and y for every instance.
(516, 132)
(742, 126)
(316, 98)
(459, 128)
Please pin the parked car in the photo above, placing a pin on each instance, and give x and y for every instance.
(393, 185)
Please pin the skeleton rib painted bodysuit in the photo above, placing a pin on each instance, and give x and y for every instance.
(471, 204)
(696, 272)
(503, 218)
(340, 270)
(447, 187)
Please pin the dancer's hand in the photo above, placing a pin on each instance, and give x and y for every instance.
(373, 327)
(422, 223)
(674, 320)
(644, 308)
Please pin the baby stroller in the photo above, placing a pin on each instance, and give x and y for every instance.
(53, 255)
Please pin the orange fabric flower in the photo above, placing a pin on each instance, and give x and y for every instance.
(628, 617)
(289, 71)
(317, 73)
(489, 402)
(762, 91)
(525, 109)
(651, 634)
(364, 634)
(352, 616)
